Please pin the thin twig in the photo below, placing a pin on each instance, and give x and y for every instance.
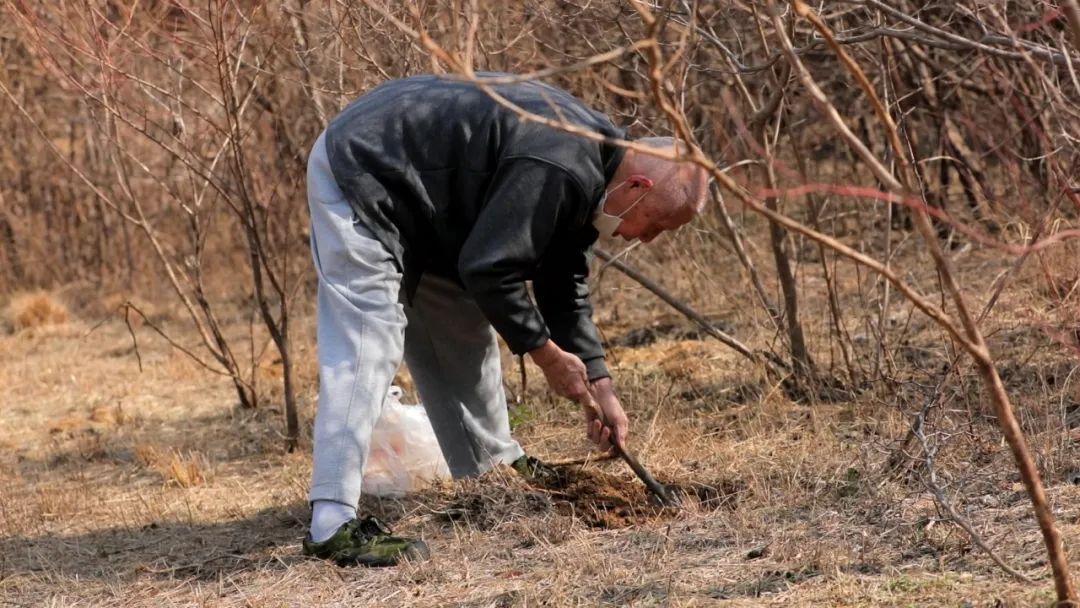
(931, 483)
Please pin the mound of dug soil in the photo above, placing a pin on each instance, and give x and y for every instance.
(597, 499)
(602, 500)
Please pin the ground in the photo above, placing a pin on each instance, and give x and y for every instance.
(122, 486)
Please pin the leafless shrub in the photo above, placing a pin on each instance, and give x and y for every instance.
(883, 153)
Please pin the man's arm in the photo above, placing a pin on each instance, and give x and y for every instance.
(562, 294)
(527, 202)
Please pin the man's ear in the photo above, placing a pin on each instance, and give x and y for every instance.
(638, 180)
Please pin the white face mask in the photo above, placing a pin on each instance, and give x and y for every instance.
(605, 223)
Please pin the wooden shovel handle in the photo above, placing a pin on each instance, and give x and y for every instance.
(650, 482)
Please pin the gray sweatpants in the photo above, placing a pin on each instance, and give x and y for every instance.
(363, 332)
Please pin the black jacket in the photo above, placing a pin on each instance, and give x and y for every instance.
(457, 185)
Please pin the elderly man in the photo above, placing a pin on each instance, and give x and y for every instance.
(432, 207)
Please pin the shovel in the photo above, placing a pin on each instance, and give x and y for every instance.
(662, 493)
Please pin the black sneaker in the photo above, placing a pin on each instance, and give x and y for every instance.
(366, 542)
(536, 472)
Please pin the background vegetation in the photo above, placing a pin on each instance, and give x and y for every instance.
(890, 248)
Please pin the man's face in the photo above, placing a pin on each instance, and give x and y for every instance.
(645, 211)
(649, 219)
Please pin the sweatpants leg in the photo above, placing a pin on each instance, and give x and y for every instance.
(454, 359)
(360, 335)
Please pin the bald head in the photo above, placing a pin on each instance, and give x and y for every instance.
(655, 194)
(679, 183)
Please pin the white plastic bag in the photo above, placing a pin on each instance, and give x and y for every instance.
(404, 454)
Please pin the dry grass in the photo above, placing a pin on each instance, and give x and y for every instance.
(122, 488)
(35, 309)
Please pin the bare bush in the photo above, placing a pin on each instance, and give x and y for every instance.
(886, 165)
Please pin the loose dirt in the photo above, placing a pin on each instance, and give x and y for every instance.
(595, 498)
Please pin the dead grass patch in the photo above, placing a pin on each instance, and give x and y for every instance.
(35, 309)
(175, 467)
(187, 470)
(786, 502)
(99, 418)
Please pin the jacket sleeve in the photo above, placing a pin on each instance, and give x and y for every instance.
(562, 293)
(530, 205)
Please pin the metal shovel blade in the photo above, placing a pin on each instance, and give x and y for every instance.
(663, 494)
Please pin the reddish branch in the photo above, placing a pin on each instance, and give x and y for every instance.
(974, 344)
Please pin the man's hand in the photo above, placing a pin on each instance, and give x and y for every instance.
(618, 427)
(565, 373)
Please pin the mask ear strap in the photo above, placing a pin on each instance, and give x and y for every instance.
(617, 186)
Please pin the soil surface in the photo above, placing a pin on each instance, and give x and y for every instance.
(596, 498)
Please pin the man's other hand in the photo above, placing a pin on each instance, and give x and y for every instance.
(565, 373)
(618, 426)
